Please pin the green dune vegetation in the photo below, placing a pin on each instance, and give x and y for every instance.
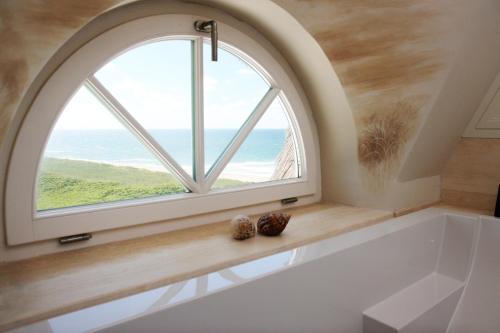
(66, 183)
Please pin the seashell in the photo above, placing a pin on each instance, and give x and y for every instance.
(272, 224)
(242, 227)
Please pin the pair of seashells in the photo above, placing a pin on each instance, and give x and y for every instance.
(271, 224)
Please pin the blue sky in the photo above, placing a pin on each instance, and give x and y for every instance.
(153, 82)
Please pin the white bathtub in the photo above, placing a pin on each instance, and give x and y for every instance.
(430, 271)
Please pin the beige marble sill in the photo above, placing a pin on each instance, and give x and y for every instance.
(43, 287)
(464, 209)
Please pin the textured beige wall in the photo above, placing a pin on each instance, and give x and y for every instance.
(391, 57)
(30, 32)
(472, 174)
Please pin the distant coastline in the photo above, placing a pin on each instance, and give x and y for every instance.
(254, 162)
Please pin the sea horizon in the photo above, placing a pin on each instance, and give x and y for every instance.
(254, 161)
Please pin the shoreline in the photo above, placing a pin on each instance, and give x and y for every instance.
(244, 171)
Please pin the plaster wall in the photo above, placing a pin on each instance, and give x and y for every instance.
(472, 71)
(472, 174)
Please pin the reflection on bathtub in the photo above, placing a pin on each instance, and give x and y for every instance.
(154, 300)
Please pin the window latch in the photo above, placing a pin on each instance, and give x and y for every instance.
(211, 28)
(74, 238)
(288, 201)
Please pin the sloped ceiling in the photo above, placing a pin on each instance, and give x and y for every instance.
(413, 71)
(391, 57)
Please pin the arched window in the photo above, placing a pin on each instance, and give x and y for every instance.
(139, 125)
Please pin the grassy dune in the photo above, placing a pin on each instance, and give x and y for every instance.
(66, 183)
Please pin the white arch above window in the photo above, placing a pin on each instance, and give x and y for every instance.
(26, 224)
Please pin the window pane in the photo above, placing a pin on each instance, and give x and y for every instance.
(154, 83)
(267, 154)
(91, 158)
(232, 89)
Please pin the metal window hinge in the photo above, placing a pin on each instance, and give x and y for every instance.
(211, 28)
(288, 201)
(74, 238)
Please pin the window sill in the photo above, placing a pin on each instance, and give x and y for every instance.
(47, 286)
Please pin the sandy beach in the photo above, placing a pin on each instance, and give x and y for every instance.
(253, 172)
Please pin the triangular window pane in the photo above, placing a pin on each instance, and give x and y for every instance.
(268, 153)
(232, 90)
(154, 84)
(91, 158)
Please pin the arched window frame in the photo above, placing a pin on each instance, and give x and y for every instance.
(24, 224)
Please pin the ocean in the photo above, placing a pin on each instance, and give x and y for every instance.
(255, 158)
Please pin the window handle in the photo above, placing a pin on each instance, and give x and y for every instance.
(209, 27)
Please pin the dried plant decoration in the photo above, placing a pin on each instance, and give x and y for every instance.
(383, 137)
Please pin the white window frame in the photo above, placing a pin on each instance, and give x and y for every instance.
(24, 224)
